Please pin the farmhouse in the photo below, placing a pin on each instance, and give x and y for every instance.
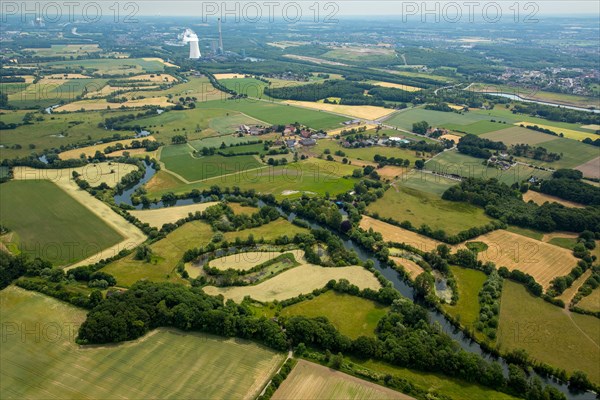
(308, 142)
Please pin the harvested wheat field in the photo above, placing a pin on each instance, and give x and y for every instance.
(229, 76)
(412, 268)
(406, 88)
(67, 76)
(160, 216)
(89, 151)
(160, 60)
(541, 198)
(541, 260)
(313, 381)
(337, 131)
(590, 169)
(450, 136)
(593, 127)
(392, 233)
(366, 112)
(296, 281)
(250, 259)
(389, 171)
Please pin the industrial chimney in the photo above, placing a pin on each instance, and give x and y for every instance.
(189, 36)
(220, 38)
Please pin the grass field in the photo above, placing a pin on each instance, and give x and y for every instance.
(161, 364)
(532, 324)
(293, 282)
(362, 153)
(541, 260)
(168, 252)
(352, 316)
(500, 112)
(454, 162)
(65, 50)
(49, 223)
(313, 381)
(591, 302)
(275, 113)
(428, 183)
(407, 204)
(477, 128)
(469, 282)
(51, 91)
(194, 168)
(518, 135)
(393, 233)
(160, 216)
(112, 66)
(530, 233)
(405, 119)
(455, 388)
(311, 176)
(53, 131)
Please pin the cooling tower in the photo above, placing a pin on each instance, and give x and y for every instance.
(189, 36)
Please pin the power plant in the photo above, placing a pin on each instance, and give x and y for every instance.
(189, 36)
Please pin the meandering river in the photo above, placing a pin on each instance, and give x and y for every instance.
(407, 291)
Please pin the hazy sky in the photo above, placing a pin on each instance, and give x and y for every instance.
(589, 8)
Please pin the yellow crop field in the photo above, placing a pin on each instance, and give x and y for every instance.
(568, 133)
(366, 112)
(293, 282)
(541, 198)
(250, 259)
(160, 216)
(229, 76)
(392, 233)
(397, 86)
(593, 127)
(313, 381)
(411, 267)
(541, 260)
(89, 151)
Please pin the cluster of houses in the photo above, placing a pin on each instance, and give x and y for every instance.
(501, 161)
(375, 141)
(291, 136)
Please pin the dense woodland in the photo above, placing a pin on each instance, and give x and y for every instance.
(567, 185)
